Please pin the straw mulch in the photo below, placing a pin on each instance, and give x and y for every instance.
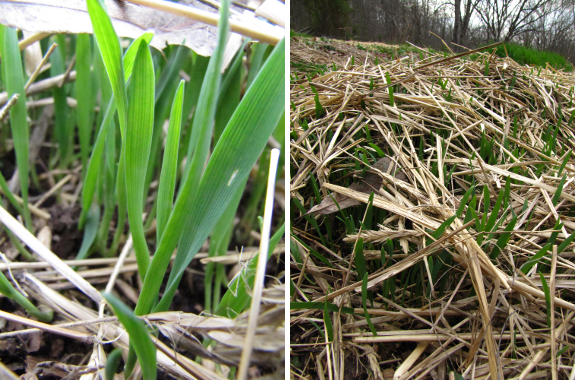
(326, 51)
(178, 338)
(446, 301)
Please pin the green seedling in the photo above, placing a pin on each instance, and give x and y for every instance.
(9, 291)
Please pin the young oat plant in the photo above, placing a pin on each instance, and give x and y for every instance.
(188, 192)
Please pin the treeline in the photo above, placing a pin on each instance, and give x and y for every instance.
(539, 24)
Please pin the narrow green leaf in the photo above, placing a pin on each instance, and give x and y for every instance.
(369, 212)
(389, 89)
(84, 96)
(495, 212)
(320, 306)
(364, 302)
(137, 145)
(441, 229)
(565, 243)
(241, 143)
(463, 201)
(139, 338)
(503, 239)
(507, 191)
(8, 194)
(90, 231)
(219, 242)
(565, 160)
(112, 363)
(547, 298)
(257, 61)
(61, 110)
(377, 149)
(9, 291)
(192, 93)
(319, 111)
(230, 93)
(109, 46)
(167, 181)
(535, 259)
(359, 258)
(91, 177)
(327, 322)
(202, 126)
(130, 56)
(562, 351)
(555, 199)
(14, 84)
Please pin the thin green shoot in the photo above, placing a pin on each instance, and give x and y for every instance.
(139, 338)
(547, 298)
(364, 302)
(9, 291)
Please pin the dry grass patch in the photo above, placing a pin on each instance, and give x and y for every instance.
(460, 258)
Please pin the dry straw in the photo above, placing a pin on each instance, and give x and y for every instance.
(473, 284)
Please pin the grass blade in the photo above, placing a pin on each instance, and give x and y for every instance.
(61, 111)
(137, 148)
(139, 338)
(565, 160)
(503, 239)
(167, 181)
(14, 83)
(202, 126)
(109, 46)
(555, 199)
(547, 298)
(495, 212)
(92, 172)
(230, 94)
(242, 142)
(193, 89)
(364, 302)
(8, 194)
(84, 96)
(327, 322)
(112, 363)
(91, 176)
(320, 306)
(535, 258)
(464, 199)
(360, 259)
(257, 60)
(441, 229)
(130, 55)
(92, 222)
(9, 291)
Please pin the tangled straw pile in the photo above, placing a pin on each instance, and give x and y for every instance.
(468, 265)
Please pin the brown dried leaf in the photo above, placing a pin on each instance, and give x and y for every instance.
(129, 20)
(366, 185)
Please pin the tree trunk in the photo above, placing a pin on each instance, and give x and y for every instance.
(457, 23)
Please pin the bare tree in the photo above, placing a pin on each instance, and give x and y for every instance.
(505, 19)
(461, 22)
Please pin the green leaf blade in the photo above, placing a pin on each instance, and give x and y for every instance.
(137, 148)
(139, 338)
(167, 181)
(84, 95)
(14, 83)
(109, 46)
(241, 144)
